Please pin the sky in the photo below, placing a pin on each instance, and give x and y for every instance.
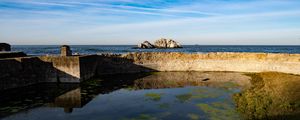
(129, 22)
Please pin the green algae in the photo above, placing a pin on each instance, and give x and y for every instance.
(154, 96)
(143, 117)
(193, 116)
(184, 97)
(164, 105)
(218, 111)
(271, 96)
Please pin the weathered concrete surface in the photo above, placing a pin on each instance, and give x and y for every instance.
(65, 50)
(67, 67)
(114, 64)
(11, 54)
(25, 71)
(239, 62)
(88, 66)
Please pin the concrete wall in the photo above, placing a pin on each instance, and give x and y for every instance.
(26, 71)
(11, 54)
(241, 62)
(88, 66)
(67, 68)
(114, 64)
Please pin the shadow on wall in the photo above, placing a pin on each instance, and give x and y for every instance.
(113, 64)
(23, 71)
(20, 72)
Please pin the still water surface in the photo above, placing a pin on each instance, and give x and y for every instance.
(159, 96)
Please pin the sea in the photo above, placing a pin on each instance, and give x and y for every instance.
(120, 49)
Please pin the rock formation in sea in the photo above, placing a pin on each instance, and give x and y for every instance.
(5, 47)
(160, 43)
(146, 44)
(166, 43)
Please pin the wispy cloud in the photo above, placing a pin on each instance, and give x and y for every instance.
(103, 20)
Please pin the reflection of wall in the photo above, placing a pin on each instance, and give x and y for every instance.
(32, 96)
(71, 99)
(181, 79)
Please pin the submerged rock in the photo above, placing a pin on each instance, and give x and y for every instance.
(146, 44)
(160, 43)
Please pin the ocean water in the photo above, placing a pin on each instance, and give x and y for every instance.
(96, 49)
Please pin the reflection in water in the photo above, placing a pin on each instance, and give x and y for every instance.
(161, 95)
(13, 101)
(272, 96)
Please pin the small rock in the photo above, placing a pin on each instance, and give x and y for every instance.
(146, 44)
(206, 79)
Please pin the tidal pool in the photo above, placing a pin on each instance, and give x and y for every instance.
(159, 96)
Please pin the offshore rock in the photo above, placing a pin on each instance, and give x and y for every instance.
(146, 44)
(5, 47)
(160, 43)
(166, 43)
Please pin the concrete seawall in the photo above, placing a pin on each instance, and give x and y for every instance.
(239, 62)
(24, 71)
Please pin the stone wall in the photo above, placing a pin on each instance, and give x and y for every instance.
(240, 62)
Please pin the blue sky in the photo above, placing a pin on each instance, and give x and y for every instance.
(104, 22)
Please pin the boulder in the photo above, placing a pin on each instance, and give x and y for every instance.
(5, 47)
(166, 43)
(146, 44)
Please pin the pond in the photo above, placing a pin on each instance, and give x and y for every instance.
(159, 96)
